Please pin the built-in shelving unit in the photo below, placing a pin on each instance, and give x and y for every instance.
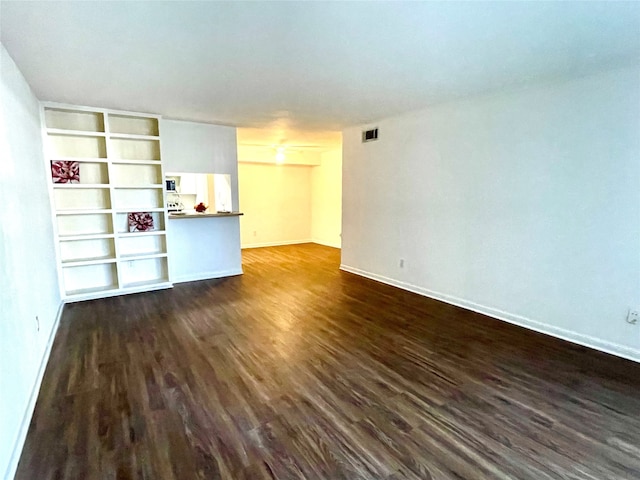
(104, 165)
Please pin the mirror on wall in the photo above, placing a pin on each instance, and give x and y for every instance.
(186, 190)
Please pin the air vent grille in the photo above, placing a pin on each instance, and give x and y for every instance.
(370, 135)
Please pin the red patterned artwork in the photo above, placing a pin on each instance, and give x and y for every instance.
(140, 222)
(65, 171)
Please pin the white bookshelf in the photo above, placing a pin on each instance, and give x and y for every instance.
(120, 172)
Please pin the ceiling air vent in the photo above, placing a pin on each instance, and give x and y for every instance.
(370, 135)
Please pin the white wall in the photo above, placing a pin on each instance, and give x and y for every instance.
(26, 243)
(193, 147)
(326, 199)
(524, 206)
(276, 202)
(201, 248)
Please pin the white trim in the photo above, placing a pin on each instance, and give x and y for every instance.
(277, 244)
(28, 414)
(208, 275)
(327, 244)
(537, 326)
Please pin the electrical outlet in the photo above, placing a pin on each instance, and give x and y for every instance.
(633, 317)
(255, 234)
(402, 263)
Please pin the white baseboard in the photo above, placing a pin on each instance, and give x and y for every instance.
(276, 244)
(28, 414)
(207, 275)
(326, 244)
(541, 327)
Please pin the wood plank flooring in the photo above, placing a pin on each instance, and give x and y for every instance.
(297, 370)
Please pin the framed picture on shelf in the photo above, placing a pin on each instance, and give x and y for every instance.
(65, 171)
(140, 222)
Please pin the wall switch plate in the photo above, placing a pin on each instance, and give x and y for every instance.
(633, 317)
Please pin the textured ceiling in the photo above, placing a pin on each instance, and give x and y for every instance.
(305, 66)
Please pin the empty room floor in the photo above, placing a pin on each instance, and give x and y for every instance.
(298, 370)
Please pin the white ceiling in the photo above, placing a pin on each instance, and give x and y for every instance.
(305, 66)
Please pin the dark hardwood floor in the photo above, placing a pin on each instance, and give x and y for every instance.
(298, 370)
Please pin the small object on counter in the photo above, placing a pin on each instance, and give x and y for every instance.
(200, 208)
(223, 211)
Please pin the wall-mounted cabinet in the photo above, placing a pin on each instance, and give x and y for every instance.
(108, 200)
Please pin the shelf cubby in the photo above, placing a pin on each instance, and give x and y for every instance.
(133, 125)
(122, 223)
(89, 173)
(135, 149)
(140, 199)
(88, 224)
(85, 279)
(137, 245)
(63, 119)
(87, 250)
(136, 175)
(95, 198)
(77, 146)
(144, 271)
